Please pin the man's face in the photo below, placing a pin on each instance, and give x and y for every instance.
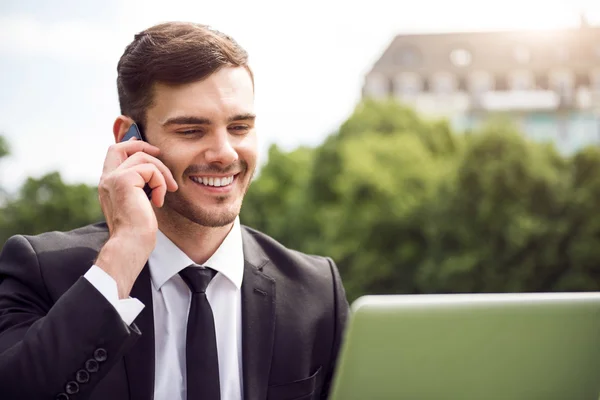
(205, 131)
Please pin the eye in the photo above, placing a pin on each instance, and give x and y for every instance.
(189, 132)
(240, 129)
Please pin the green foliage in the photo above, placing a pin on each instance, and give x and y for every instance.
(4, 149)
(406, 205)
(279, 194)
(500, 224)
(47, 204)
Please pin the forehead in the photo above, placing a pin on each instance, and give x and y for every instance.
(227, 91)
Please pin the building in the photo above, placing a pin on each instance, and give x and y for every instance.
(548, 81)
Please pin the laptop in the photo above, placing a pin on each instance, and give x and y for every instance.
(525, 346)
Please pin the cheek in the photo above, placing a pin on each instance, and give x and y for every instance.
(177, 160)
(247, 149)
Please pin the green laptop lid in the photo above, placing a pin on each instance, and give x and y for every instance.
(472, 347)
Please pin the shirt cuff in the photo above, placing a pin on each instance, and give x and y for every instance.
(128, 308)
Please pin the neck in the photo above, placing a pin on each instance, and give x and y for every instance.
(198, 242)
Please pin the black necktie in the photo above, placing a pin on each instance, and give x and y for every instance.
(202, 362)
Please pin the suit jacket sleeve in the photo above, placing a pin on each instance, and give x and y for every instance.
(341, 316)
(44, 342)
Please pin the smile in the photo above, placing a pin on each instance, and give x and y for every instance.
(213, 181)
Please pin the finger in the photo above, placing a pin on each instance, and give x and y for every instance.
(119, 152)
(151, 175)
(143, 158)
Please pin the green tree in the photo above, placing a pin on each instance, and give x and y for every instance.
(4, 149)
(406, 205)
(583, 229)
(47, 204)
(502, 225)
(276, 200)
(360, 197)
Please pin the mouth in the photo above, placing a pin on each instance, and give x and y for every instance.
(217, 184)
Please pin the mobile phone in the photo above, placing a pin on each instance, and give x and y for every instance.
(134, 131)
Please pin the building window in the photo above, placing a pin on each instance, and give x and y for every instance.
(407, 85)
(377, 86)
(443, 83)
(501, 83)
(541, 82)
(462, 84)
(562, 82)
(521, 80)
(481, 82)
(582, 80)
(461, 57)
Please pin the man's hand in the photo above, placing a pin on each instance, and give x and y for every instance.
(132, 224)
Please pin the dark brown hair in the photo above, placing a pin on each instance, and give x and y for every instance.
(171, 53)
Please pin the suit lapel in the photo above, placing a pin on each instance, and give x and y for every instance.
(258, 320)
(139, 360)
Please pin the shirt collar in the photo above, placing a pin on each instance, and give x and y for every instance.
(166, 260)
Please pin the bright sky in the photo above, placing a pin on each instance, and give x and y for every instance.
(58, 62)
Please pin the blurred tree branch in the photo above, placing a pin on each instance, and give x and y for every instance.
(46, 204)
(4, 149)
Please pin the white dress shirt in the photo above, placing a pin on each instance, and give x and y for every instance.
(171, 302)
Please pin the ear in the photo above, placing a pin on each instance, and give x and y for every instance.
(121, 126)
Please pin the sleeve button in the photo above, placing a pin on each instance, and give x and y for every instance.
(82, 376)
(92, 365)
(100, 355)
(72, 388)
(62, 396)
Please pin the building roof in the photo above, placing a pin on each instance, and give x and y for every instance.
(496, 52)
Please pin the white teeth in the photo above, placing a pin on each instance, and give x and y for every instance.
(211, 181)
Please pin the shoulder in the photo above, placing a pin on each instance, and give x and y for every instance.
(300, 278)
(289, 261)
(55, 258)
(90, 236)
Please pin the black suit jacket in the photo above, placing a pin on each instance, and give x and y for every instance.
(58, 334)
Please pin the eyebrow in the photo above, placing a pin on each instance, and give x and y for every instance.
(188, 120)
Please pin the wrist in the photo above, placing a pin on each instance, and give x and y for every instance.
(122, 260)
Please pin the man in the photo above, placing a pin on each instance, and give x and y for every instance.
(171, 298)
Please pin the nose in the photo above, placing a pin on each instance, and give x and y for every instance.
(221, 150)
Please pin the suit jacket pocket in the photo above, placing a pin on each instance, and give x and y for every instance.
(302, 389)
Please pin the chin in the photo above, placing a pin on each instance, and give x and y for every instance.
(213, 219)
(213, 215)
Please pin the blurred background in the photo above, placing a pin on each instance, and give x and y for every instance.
(427, 147)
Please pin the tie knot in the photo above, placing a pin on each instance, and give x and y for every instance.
(197, 278)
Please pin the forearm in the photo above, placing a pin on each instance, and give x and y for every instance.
(38, 359)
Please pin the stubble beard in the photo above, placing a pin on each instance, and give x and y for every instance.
(176, 202)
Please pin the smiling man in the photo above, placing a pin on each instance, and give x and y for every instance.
(171, 298)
